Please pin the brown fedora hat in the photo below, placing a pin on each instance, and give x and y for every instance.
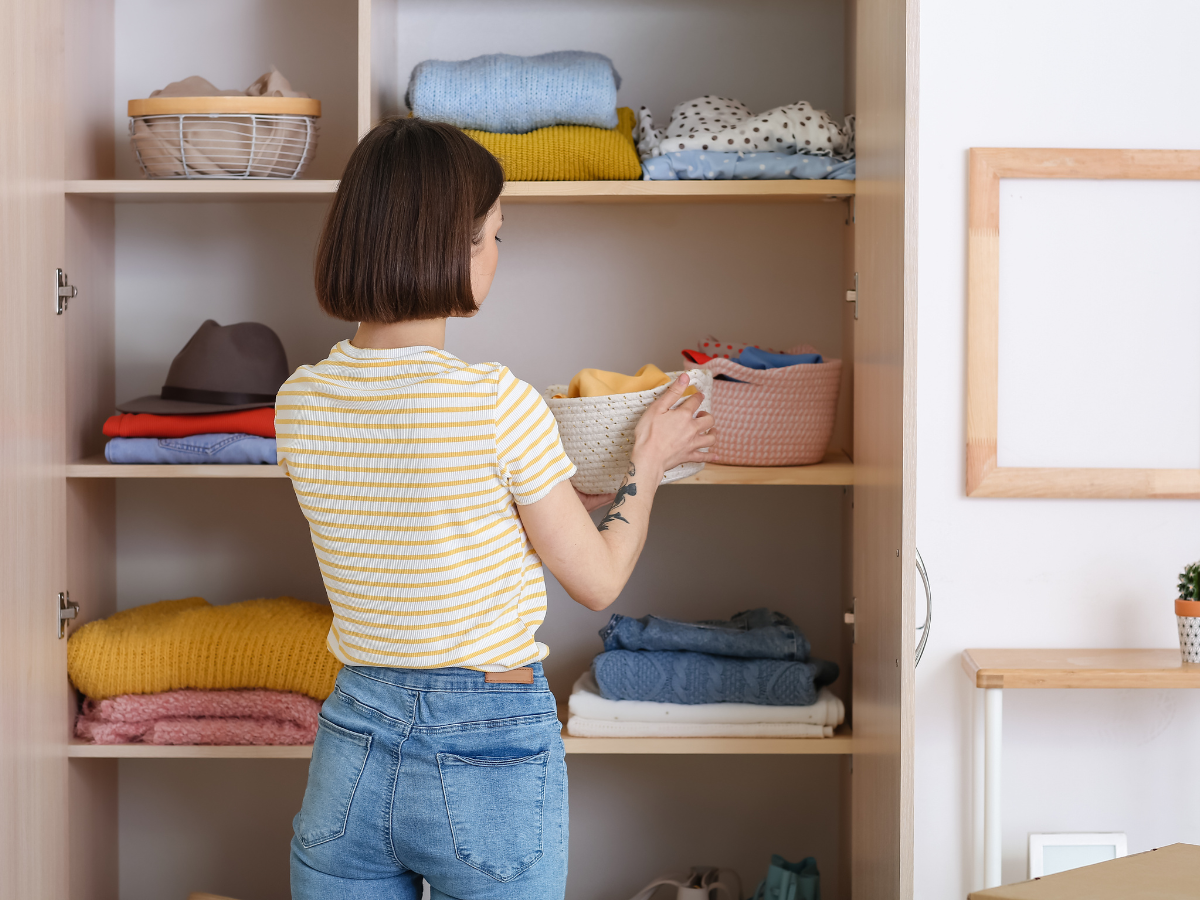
(223, 368)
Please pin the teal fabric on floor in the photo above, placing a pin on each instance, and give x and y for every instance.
(790, 881)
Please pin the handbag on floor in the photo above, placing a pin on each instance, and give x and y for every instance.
(702, 883)
(790, 881)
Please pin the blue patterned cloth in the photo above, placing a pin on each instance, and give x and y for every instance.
(670, 677)
(516, 94)
(230, 449)
(705, 165)
(756, 634)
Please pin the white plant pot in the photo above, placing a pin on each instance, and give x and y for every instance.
(1187, 615)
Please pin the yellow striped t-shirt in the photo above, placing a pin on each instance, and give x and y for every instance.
(409, 465)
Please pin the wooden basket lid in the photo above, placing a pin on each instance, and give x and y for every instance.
(232, 105)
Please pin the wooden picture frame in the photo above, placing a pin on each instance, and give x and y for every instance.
(985, 478)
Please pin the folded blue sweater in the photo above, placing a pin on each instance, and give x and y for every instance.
(663, 676)
(516, 94)
(229, 449)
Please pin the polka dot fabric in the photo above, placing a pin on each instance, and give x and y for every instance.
(726, 125)
(711, 346)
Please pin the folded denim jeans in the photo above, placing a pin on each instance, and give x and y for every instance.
(671, 677)
(230, 449)
(754, 634)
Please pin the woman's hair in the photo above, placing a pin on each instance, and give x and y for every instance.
(398, 239)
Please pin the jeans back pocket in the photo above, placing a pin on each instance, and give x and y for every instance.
(339, 757)
(495, 808)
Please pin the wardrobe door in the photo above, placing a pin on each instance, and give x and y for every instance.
(33, 703)
(884, 358)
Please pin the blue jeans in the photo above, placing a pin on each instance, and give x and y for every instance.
(434, 773)
(754, 634)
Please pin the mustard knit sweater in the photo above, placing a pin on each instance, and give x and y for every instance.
(567, 152)
(275, 644)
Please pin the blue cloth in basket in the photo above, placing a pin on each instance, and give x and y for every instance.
(706, 165)
(664, 676)
(229, 449)
(753, 358)
(516, 94)
(756, 634)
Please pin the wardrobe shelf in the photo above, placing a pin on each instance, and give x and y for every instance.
(99, 467)
(838, 745)
(216, 190)
(224, 191)
(836, 469)
(78, 749)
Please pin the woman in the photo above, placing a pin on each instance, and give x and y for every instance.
(435, 490)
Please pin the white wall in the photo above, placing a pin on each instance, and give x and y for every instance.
(1043, 573)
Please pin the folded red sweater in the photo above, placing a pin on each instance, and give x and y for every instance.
(260, 422)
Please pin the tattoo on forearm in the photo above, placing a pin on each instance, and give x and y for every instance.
(628, 488)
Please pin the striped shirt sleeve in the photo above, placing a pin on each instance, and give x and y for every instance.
(531, 455)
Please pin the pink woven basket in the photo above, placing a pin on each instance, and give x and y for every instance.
(777, 417)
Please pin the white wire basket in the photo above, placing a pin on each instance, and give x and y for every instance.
(224, 137)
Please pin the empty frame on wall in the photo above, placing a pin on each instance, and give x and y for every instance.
(986, 477)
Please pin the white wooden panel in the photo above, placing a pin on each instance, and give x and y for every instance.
(884, 421)
(33, 762)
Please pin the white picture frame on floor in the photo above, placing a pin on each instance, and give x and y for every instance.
(1050, 854)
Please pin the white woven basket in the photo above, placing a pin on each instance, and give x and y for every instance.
(597, 432)
(224, 137)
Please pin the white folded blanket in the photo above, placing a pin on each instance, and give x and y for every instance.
(580, 727)
(595, 712)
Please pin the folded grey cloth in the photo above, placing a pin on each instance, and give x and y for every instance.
(669, 677)
(515, 94)
(755, 634)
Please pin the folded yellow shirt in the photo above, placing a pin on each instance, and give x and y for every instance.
(567, 152)
(275, 644)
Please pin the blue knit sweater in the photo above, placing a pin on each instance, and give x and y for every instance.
(516, 94)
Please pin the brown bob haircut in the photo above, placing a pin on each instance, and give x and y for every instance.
(398, 239)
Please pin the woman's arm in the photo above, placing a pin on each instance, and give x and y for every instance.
(593, 562)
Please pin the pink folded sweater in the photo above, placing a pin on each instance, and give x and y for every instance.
(201, 717)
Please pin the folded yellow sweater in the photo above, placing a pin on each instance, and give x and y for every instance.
(567, 152)
(275, 644)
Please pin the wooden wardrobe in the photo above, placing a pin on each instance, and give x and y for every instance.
(607, 274)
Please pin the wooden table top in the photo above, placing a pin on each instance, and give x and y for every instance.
(1079, 669)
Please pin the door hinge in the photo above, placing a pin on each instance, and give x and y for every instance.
(852, 296)
(62, 292)
(66, 610)
(848, 618)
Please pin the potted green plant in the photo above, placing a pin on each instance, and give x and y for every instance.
(1187, 613)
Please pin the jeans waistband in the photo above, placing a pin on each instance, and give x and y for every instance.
(452, 679)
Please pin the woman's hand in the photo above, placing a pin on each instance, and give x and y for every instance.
(666, 437)
(592, 502)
